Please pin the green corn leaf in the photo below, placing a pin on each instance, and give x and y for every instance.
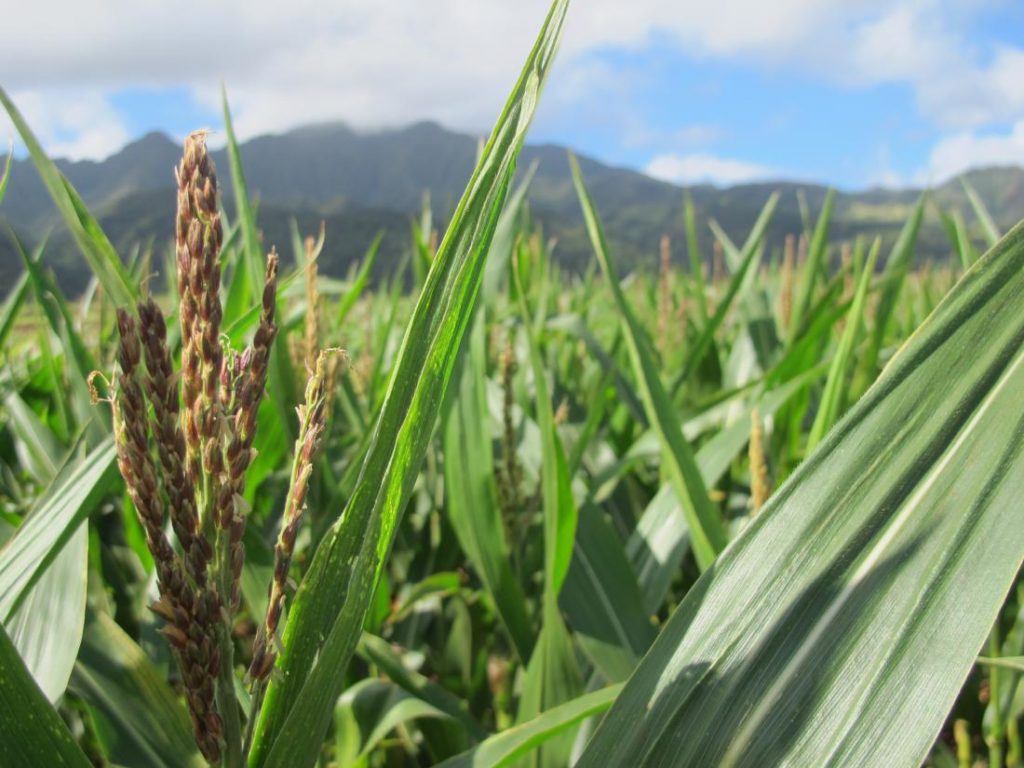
(6, 176)
(361, 279)
(147, 723)
(602, 599)
(576, 325)
(552, 676)
(12, 305)
(744, 261)
(1016, 663)
(34, 734)
(559, 507)
(893, 278)
(830, 407)
(39, 540)
(80, 361)
(707, 533)
(505, 235)
(805, 211)
(696, 264)
(469, 466)
(848, 588)
(39, 449)
(252, 251)
(658, 543)
(235, 270)
(281, 381)
(91, 240)
(382, 653)
(988, 224)
(46, 625)
(329, 608)
(809, 276)
(956, 231)
(505, 747)
(472, 497)
(372, 708)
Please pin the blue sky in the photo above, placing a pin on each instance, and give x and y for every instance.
(856, 94)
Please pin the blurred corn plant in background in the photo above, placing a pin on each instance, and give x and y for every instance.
(763, 514)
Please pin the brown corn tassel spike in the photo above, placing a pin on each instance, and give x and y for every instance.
(187, 614)
(162, 390)
(198, 241)
(250, 379)
(312, 425)
(312, 339)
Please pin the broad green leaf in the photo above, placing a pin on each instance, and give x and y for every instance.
(1015, 663)
(956, 230)
(558, 505)
(602, 600)
(281, 380)
(328, 610)
(376, 707)
(576, 325)
(708, 535)
(235, 273)
(988, 225)
(659, 542)
(471, 494)
(809, 276)
(744, 261)
(243, 326)
(437, 585)
(12, 305)
(503, 748)
(25, 558)
(830, 407)
(46, 625)
(505, 235)
(258, 570)
(472, 500)
(39, 451)
(362, 277)
(95, 247)
(696, 264)
(832, 630)
(34, 734)
(805, 211)
(79, 361)
(147, 724)
(252, 250)
(893, 278)
(378, 651)
(5, 177)
(552, 676)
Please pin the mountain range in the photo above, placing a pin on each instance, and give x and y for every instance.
(363, 183)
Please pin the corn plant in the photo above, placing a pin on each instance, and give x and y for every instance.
(761, 513)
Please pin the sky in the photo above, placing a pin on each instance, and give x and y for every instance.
(853, 93)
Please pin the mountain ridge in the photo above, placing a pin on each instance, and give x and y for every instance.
(359, 182)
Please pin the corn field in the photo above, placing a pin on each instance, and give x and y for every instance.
(485, 512)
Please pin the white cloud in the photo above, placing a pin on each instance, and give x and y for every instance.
(962, 151)
(375, 64)
(696, 168)
(71, 124)
(369, 63)
(923, 45)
